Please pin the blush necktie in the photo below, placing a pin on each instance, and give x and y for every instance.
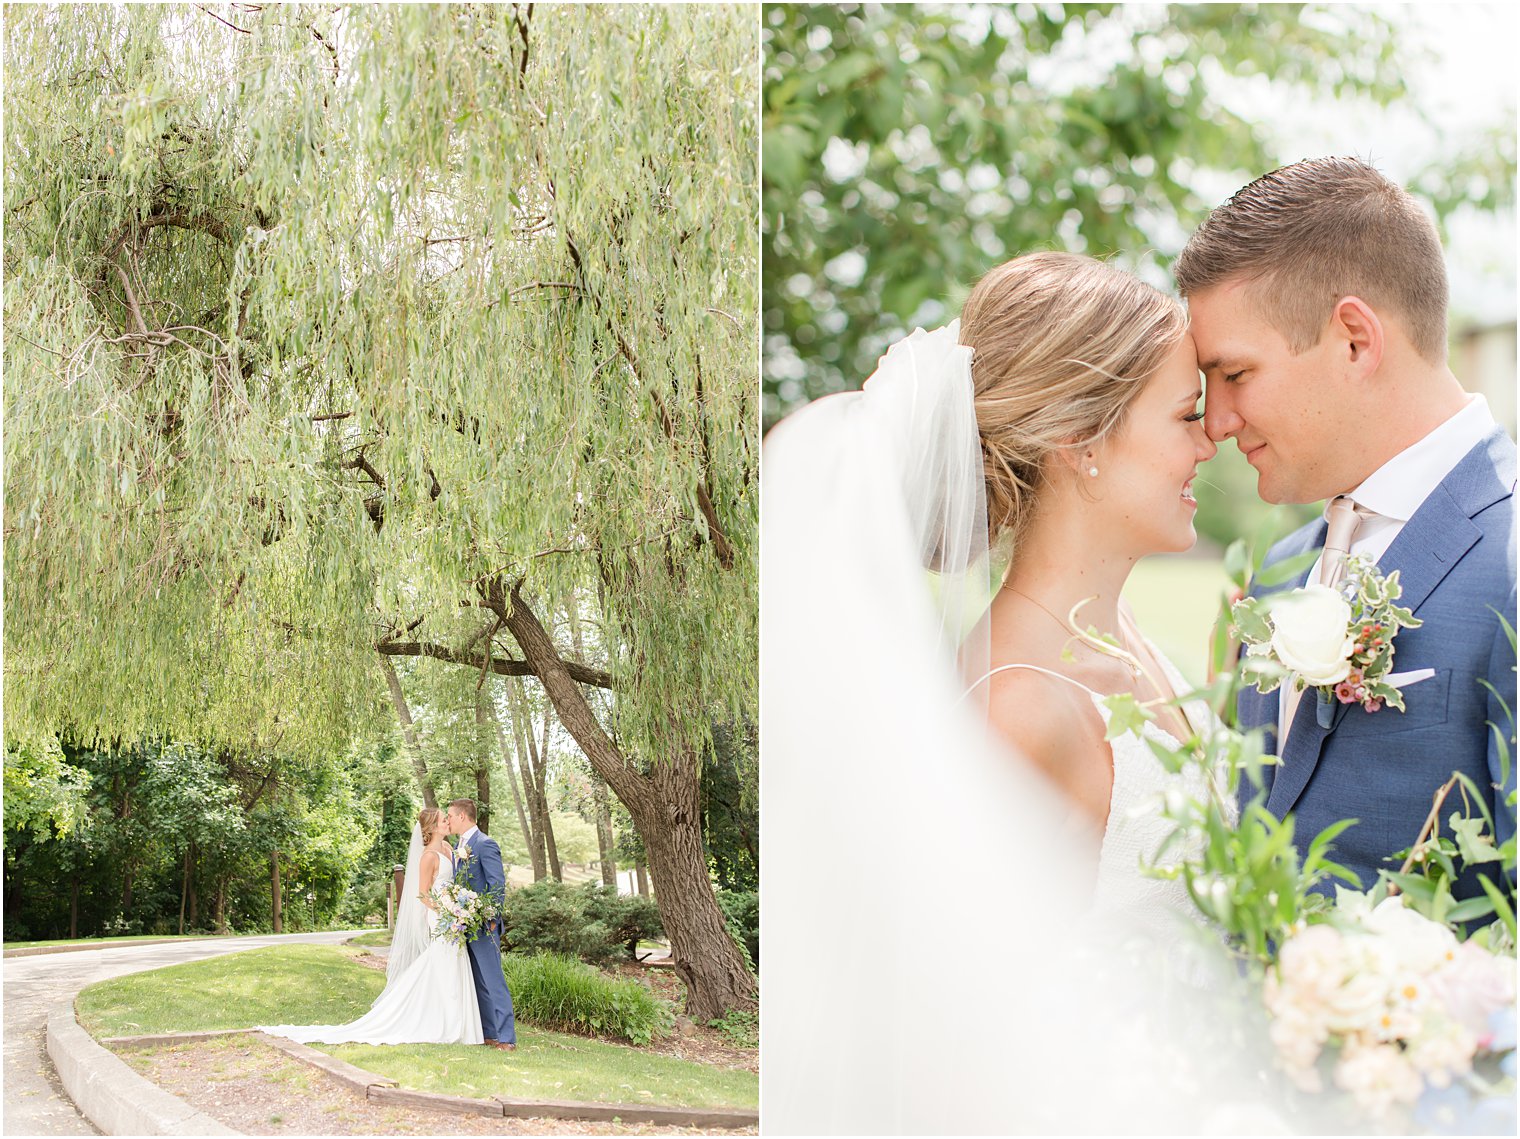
(1343, 517)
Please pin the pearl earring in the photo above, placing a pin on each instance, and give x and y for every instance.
(1092, 472)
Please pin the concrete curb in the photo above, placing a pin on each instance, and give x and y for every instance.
(383, 1090)
(111, 1095)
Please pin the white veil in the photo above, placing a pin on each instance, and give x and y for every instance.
(924, 894)
(410, 936)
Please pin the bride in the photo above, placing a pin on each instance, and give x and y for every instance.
(912, 705)
(429, 995)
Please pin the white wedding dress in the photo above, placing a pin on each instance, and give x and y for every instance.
(432, 1001)
(1137, 828)
(931, 964)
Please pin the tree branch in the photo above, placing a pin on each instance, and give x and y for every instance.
(580, 673)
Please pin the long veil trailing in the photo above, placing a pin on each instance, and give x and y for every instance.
(410, 937)
(925, 894)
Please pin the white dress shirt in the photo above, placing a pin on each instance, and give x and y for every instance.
(464, 841)
(1400, 486)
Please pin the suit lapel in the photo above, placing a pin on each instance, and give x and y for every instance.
(1261, 709)
(1425, 551)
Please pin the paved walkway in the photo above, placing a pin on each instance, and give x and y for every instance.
(34, 1104)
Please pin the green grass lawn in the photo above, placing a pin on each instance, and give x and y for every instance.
(373, 937)
(1175, 599)
(552, 1065)
(279, 984)
(321, 984)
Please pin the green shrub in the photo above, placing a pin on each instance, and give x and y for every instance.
(592, 922)
(558, 992)
(741, 910)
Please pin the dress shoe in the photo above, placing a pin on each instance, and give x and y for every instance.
(504, 1047)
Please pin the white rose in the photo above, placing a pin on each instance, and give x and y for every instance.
(1309, 634)
(1420, 945)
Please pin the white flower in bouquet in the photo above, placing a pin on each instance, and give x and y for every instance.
(1442, 1049)
(1421, 945)
(1377, 1076)
(1309, 634)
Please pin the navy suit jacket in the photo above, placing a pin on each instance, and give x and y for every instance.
(1456, 563)
(483, 871)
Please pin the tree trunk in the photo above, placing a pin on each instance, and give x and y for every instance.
(641, 877)
(274, 891)
(221, 905)
(409, 732)
(195, 901)
(535, 854)
(665, 809)
(184, 890)
(521, 732)
(605, 845)
(538, 799)
(540, 757)
(482, 770)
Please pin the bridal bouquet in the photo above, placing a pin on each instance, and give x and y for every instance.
(462, 912)
(1339, 640)
(1389, 1003)
(1395, 1002)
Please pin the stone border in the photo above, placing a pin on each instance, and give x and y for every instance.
(110, 1094)
(383, 1090)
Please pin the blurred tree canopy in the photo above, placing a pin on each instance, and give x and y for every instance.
(909, 148)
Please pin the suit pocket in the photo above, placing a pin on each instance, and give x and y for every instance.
(1425, 706)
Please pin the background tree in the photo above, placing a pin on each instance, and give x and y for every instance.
(335, 329)
(909, 148)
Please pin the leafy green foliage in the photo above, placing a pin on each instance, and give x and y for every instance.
(741, 911)
(555, 991)
(739, 1027)
(148, 810)
(591, 921)
(730, 806)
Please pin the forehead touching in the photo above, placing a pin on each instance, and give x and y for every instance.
(1230, 328)
(1177, 378)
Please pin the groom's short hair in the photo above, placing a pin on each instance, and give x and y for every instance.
(1308, 234)
(465, 807)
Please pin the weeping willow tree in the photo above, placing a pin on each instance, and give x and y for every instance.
(331, 331)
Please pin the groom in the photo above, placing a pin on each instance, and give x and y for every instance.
(1318, 303)
(477, 863)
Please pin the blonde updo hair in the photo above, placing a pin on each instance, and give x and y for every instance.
(429, 819)
(1061, 346)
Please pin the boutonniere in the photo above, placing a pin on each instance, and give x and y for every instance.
(1336, 639)
(463, 854)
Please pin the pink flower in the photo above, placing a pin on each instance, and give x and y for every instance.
(1372, 705)
(1346, 692)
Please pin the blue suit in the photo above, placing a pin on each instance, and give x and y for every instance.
(482, 872)
(1456, 559)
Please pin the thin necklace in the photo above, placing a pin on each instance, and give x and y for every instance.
(1123, 655)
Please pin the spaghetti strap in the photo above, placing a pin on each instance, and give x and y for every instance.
(1032, 668)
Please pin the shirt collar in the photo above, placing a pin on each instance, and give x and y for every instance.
(469, 834)
(1399, 486)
